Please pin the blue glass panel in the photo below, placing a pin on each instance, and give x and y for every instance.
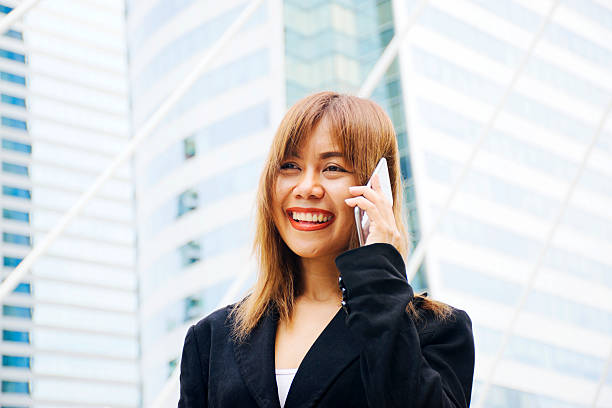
(16, 192)
(11, 262)
(17, 239)
(155, 19)
(11, 55)
(540, 354)
(198, 39)
(15, 168)
(16, 387)
(18, 35)
(14, 123)
(16, 146)
(13, 100)
(597, 12)
(15, 215)
(16, 361)
(579, 45)
(8, 77)
(215, 242)
(233, 181)
(502, 397)
(23, 287)
(540, 303)
(5, 9)
(17, 311)
(505, 145)
(16, 335)
(511, 11)
(234, 127)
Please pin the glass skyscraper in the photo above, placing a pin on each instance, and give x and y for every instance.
(69, 329)
(458, 60)
(196, 175)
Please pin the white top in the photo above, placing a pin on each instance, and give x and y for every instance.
(284, 378)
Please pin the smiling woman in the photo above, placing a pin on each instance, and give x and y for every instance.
(289, 342)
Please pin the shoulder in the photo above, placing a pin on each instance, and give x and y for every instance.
(217, 322)
(454, 322)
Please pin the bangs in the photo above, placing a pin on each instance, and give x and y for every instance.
(359, 129)
(295, 141)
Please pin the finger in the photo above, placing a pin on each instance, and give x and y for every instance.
(377, 197)
(365, 205)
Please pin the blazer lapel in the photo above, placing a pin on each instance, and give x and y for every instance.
(333, 350)
(255, 359)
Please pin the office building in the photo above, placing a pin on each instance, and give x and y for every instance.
(456, 65)
(69, 329)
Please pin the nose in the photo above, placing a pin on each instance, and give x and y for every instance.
(308, 186)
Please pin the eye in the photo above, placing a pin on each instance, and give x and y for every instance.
(288, 166)
(334, 168)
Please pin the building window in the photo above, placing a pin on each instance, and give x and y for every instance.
(13, 100)
(16, 192)
(17, 387)
(172, 366)
(16, 79)
(11, 261)
(5, 9)
(190, 253)
(18, 35)
(23, 287)
(15, 169)
(16, 361)
(193, 307)
(15, 215)
(14, 123)
(189, 147)
(187, 201)
(16, 336)
(17, 239)
(16, 146)
(11, 55)
(17, 311)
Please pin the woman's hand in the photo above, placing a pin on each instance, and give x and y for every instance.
(380, 211)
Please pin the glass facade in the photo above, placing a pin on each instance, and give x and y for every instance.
(460, 61)
(199, 130)
(12, 121)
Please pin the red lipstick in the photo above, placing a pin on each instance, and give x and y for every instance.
(309, 225)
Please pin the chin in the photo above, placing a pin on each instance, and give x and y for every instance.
(315, 249)
(309, 251)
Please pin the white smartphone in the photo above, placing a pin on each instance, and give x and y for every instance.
(361, 217)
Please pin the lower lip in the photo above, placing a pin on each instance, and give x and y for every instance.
(310, 226)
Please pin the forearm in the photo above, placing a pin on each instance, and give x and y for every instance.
(400, 367)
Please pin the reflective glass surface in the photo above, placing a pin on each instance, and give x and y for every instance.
(16, 146)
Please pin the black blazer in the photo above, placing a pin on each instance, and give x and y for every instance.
(372, 353)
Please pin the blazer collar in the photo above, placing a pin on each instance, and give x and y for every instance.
(334, 349)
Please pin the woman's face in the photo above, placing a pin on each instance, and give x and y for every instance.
(309, 209)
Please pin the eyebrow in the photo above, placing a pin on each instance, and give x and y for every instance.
(325, 155)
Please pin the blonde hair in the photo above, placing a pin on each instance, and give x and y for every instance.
(364, 133)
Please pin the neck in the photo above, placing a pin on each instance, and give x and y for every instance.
(319, 280)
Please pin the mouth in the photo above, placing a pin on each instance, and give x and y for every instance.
(309, 219)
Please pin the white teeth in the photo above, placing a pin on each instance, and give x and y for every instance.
(312, 217)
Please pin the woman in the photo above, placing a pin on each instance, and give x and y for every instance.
(385, 347)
